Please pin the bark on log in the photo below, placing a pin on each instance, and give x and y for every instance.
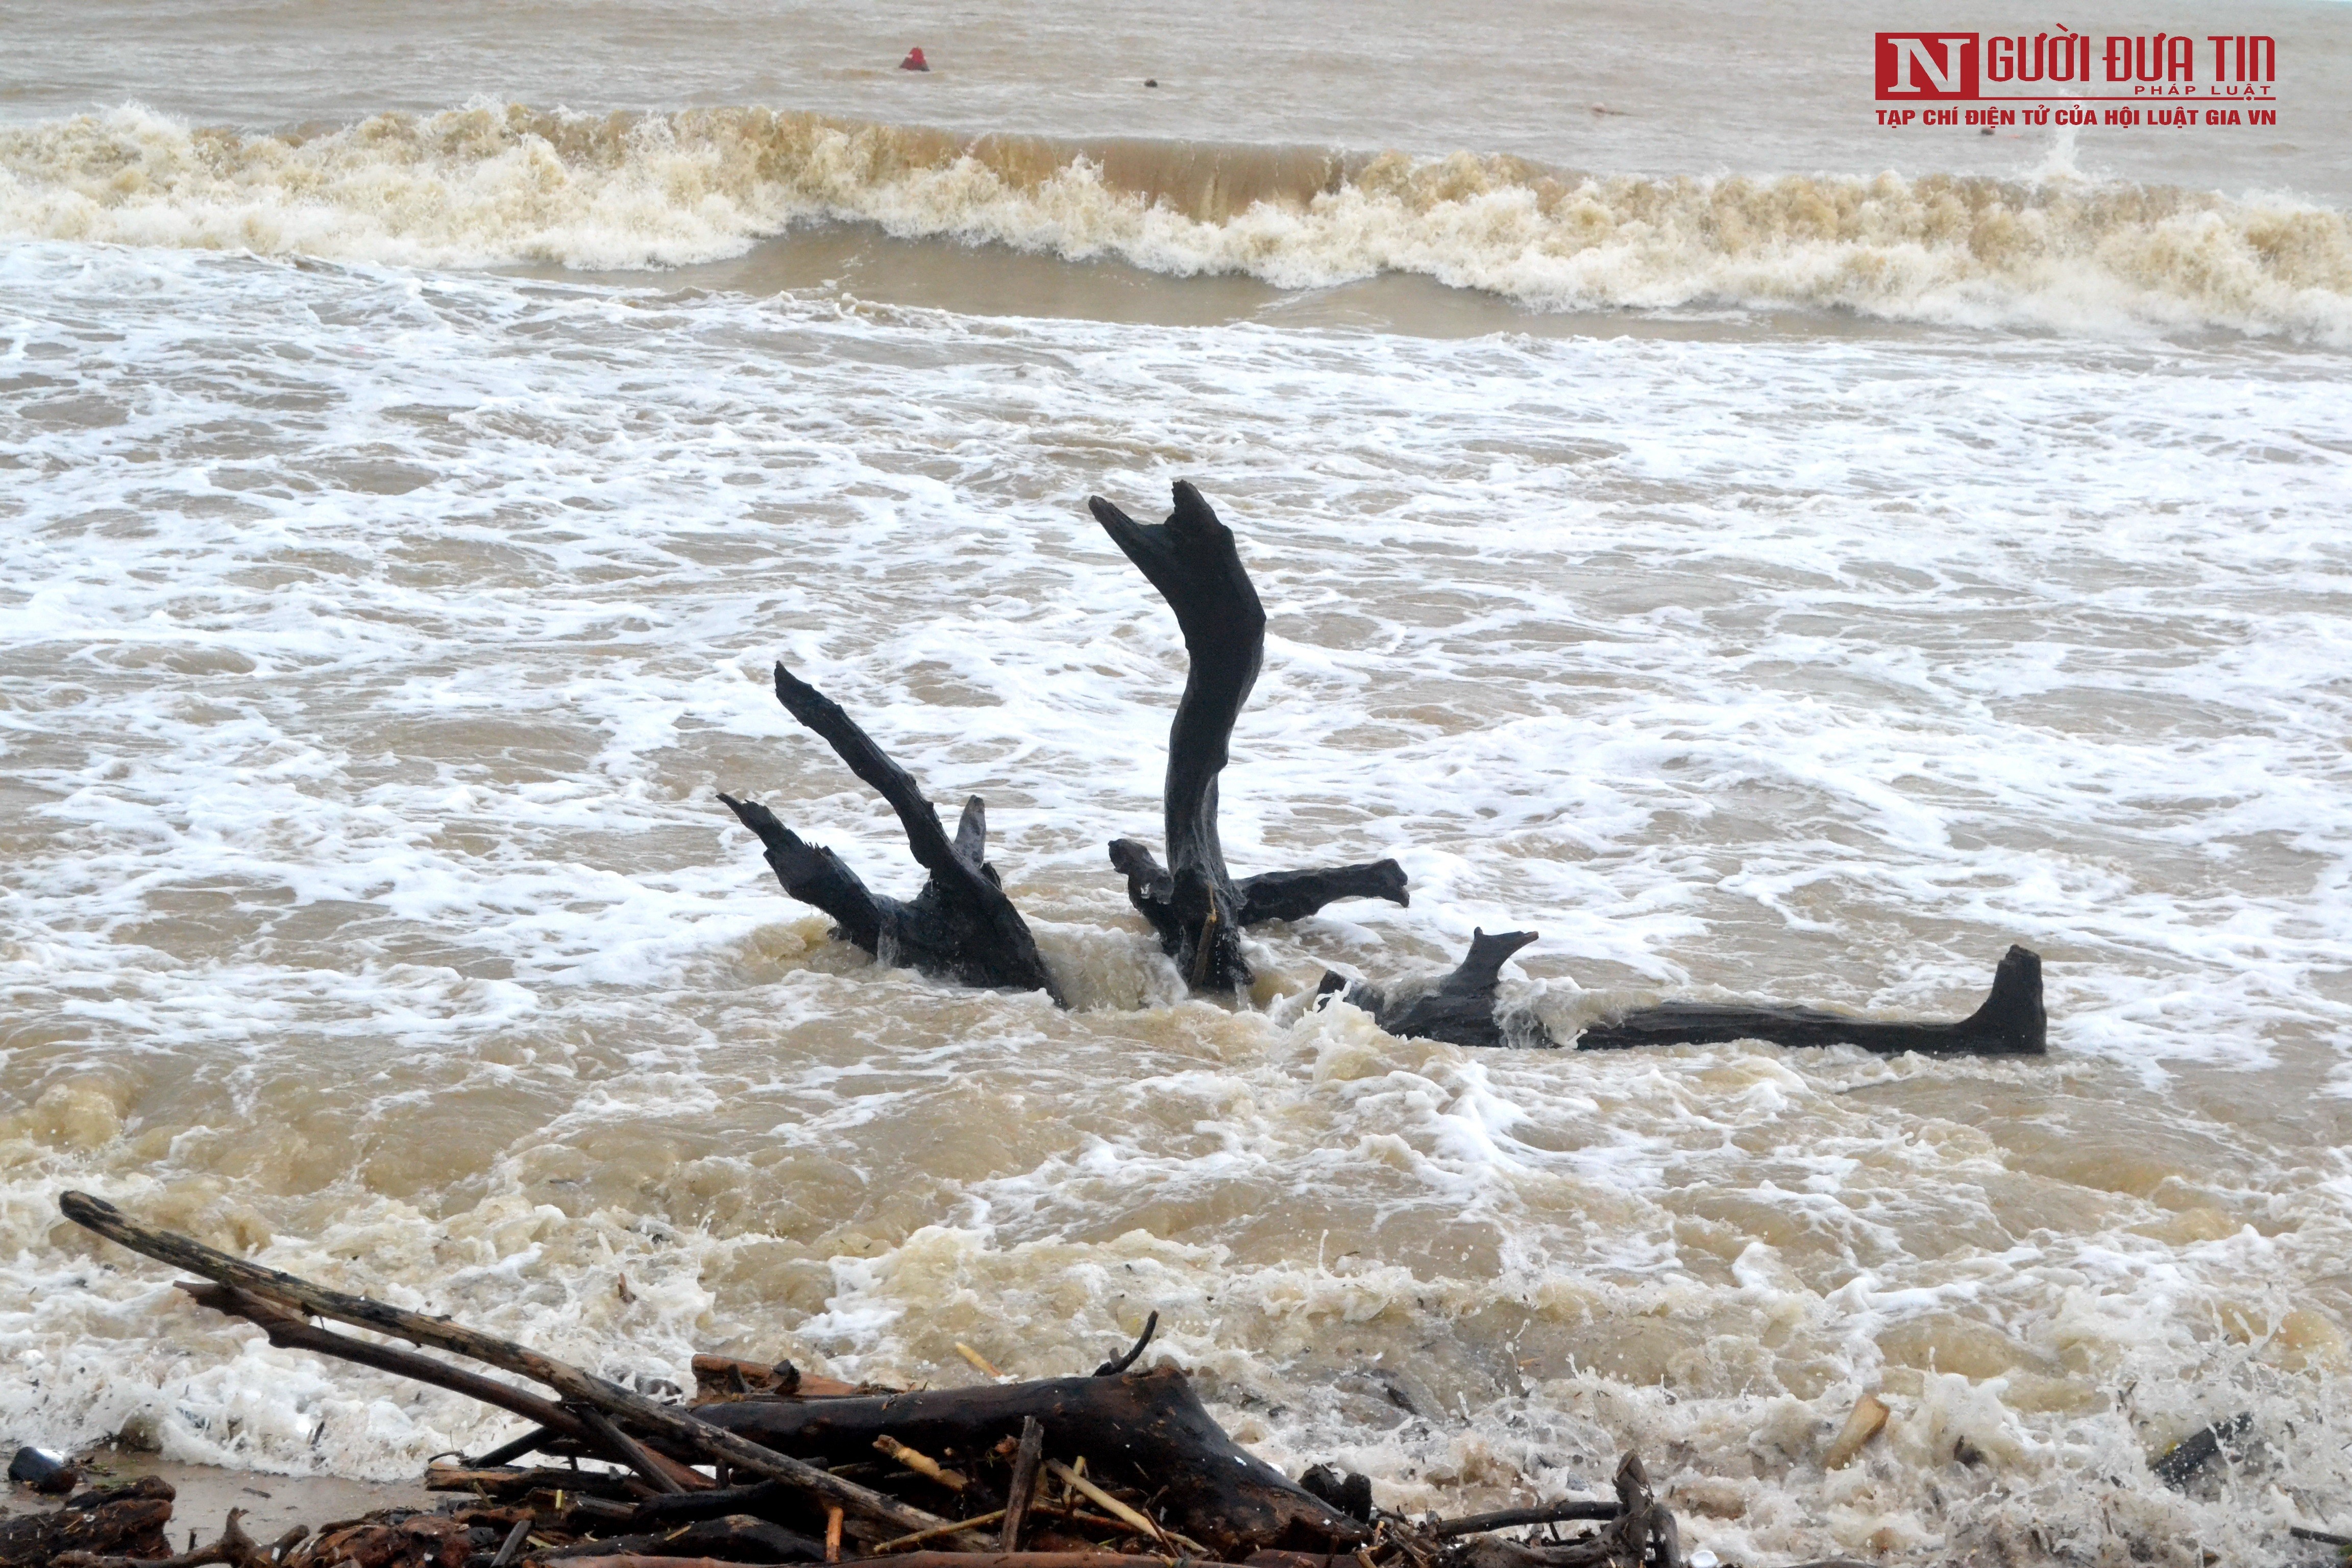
(960, 927)
(738, 1538)
(2010, 1023)
(1193, 902)
(664, 1422)
(233, 1547)
(1147, 1427)
(508, 1482)
(1459, 1009)
(717, 1377)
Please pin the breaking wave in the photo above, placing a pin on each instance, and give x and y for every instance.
(491, 184)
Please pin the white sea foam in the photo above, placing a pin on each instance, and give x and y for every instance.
(374, 642)
(504, 184)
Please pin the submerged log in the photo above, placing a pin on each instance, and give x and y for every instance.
(1147, 1428)
(1193, 902)
(960, 927)
(2010, 1023)
(1460, 1009)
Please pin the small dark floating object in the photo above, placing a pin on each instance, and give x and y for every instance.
(2197, 1450)
(1151, 81)
(43, 1473)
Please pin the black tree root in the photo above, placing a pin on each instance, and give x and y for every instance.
(1193, 902)
(960, 927)
(1460, 1009)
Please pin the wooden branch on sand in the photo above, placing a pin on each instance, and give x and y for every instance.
(710, 1443)
(1120, 1469)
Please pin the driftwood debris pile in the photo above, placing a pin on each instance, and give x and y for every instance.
(1120, 1469)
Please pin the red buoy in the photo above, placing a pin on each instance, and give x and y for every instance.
(915, 60)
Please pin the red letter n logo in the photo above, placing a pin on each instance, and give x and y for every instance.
(1916, 66)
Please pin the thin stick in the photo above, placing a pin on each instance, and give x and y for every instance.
(1117, 1509)
(512, 1548)
(1206, 954)
(976, 1359)
(1512, 1518)
(289, 1329)
(922, 1535)
(1023, 1484)
(922, 1464)
(1117, 1364)
(832, 1535)
(506, 1453)
(711, 1443)
(630, 1452)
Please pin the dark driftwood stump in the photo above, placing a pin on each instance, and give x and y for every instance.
(960, 927)
(1147, 1429)
(1193, 902)
(1460, 1009)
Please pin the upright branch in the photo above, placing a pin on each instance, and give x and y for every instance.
(1193, 902)
(960, 927)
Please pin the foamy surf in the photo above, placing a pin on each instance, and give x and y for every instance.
(494, 185)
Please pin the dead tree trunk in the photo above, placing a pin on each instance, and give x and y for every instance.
(1193, 902)
(1460, 1009)
(960, 927)
(2010, 1023)
(1147, 1429)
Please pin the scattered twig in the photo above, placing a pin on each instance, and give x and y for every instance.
(1117, 1364)
(1023, 1484)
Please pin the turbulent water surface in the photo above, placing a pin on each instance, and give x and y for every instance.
(1768, 559)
